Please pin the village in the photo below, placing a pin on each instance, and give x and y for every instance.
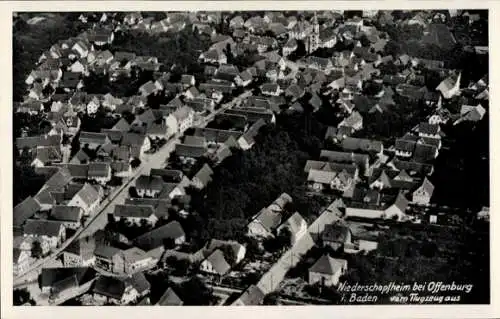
(126, 212)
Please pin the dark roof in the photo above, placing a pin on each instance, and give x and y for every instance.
(167, 174)
(66, 213)
(154, 238)
(112, 287)
(83, 247)
(405, 145)
(106, 251)
(59, 278)
(344, 157)
(39, 227)
(415, 167)
(99, 169)
(92, 137)
(149, 182)
(135, 211)
(427, 128)
(25, 210)
(190, 150)
(366, 145)
(268, 219)
(424, 152)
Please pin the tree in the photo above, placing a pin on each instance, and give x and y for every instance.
(36, 249)
(285, 238)
(195, 293)
(132, 191)
(22, 296)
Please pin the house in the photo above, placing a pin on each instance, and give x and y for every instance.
(289, 47)
(252, 296)
(327, 271)
(297, 226)
(332, 176)
(170, 298)
(405, 147)
(21, 260)
(264, 223)
(62, 281)
(398, 208)
(100, 172)
(247, 140)
(110, 259)
(121, 291)
(136, 260)
(80, 253)
(422, 195)
(149, 186)
(51, 232)
(361, 160)
(429, 130)
(238, 249)
(204, 176)
(70, 216)
(354, 121)
(189, 153)
(363, 145)
(336, 236)
(450, 86)
(156, 238)
(215, 263)
(213, 56)
(180, 120)
(472, 113)
(93, 105)
(138, 143)
(87, 198)
(92, 140)
(45, 156)
(135, 214)
(272, 89)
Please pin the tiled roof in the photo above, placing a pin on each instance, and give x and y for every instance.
(154, 238)
(328, 265)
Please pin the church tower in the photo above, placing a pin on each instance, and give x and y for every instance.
(313, 40)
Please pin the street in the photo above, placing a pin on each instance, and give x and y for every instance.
(99, 220)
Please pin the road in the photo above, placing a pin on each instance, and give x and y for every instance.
(99, 219)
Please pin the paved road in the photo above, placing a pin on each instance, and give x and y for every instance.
(99, 219)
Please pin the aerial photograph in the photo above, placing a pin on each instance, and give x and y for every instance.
(242, 158)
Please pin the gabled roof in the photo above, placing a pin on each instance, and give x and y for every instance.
(204, 175)
(25, 210)
(190, 150)
(154, 238)
(170, 298)
(59, 179)
(427, 186)
(133, 211)
(149, 182)
(99, 169)
(218, 262)
(252, 296)
(66, 213)
(268, 219)
(88, 194)
(328, 265)
(294, 223)
(428, 128)
(352, 144)
(122, 125)
(40, 227)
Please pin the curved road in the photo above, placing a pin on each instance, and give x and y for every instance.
(99, 219)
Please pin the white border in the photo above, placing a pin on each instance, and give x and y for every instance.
(399, 311)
